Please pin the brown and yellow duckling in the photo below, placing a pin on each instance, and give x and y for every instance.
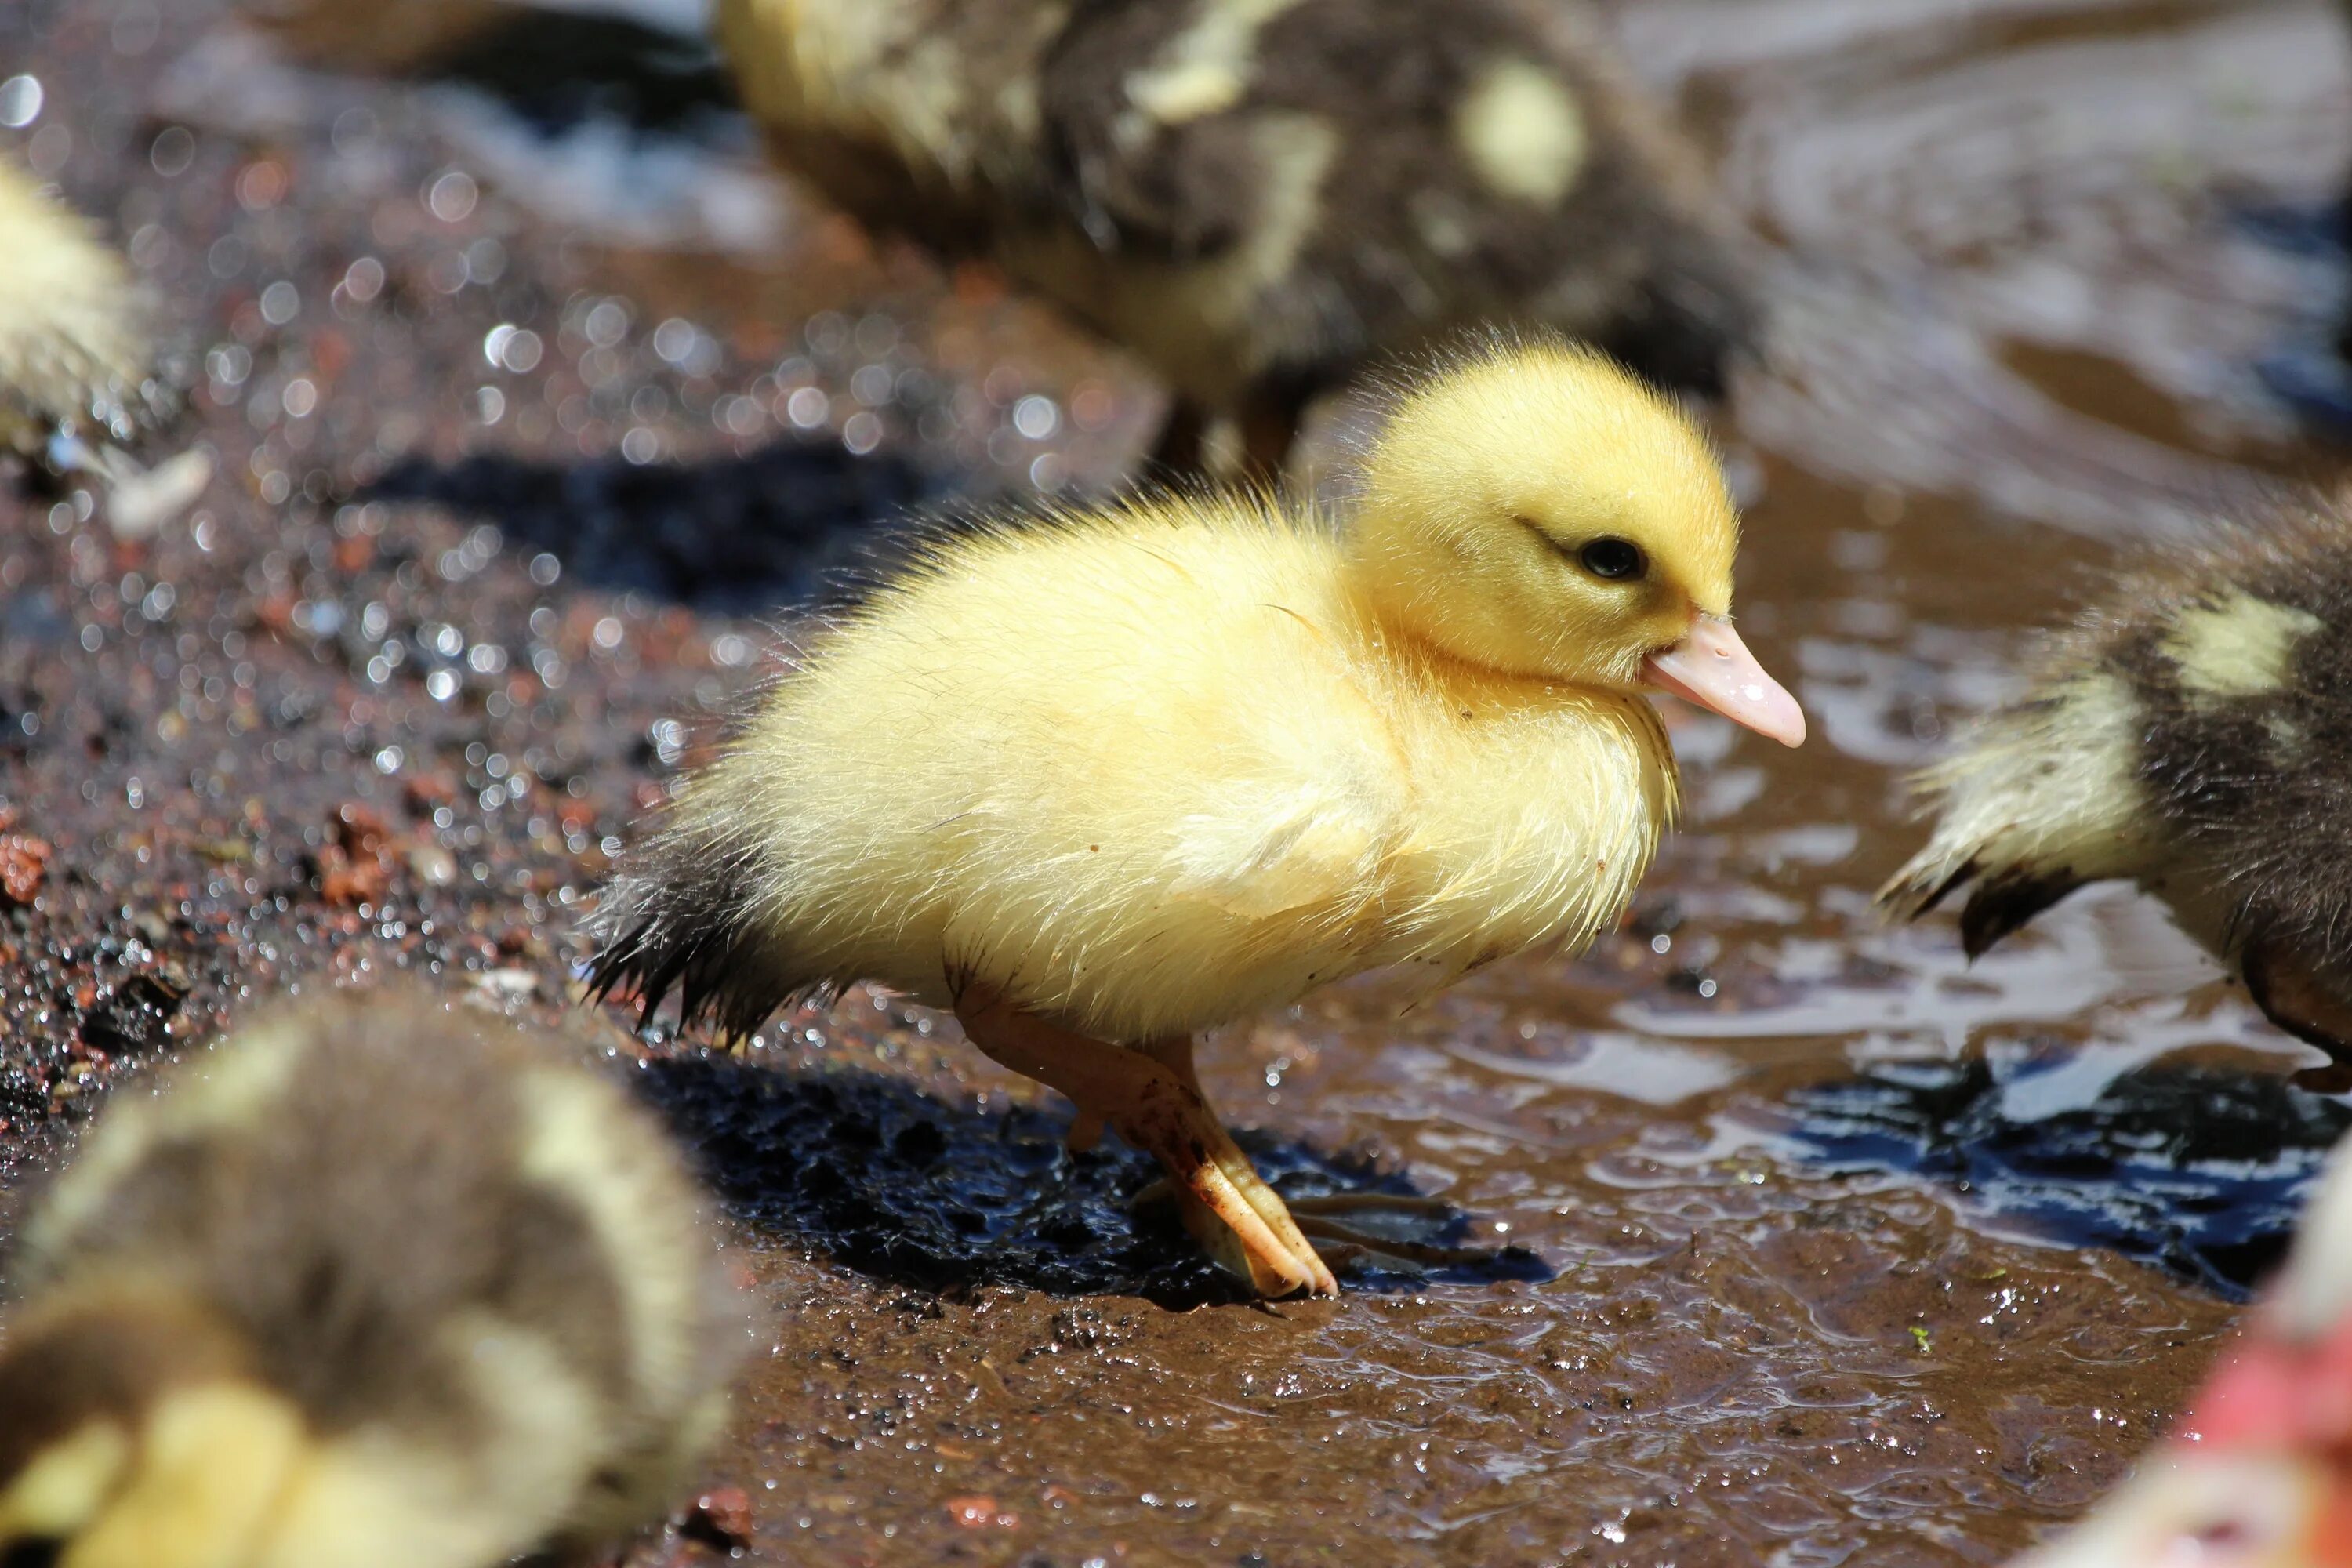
(2191, 733)
(77, 359)
(1258, 195)
(1102, 782)
(371, 1283)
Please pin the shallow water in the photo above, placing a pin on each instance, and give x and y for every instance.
(1836, 1248)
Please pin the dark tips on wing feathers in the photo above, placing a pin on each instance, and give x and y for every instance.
(1911, 893)
(1999, 904)
(2245, 790)
(2003, 902)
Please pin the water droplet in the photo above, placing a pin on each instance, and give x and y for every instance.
(451, 197)
(20, 102)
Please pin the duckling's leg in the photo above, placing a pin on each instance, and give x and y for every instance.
(1175, 1054)
(1327, 1223)
(1323, 1221)
(1154, 1107)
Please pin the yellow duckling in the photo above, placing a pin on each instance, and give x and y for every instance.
(1108, 781)
(1259, 196)
(373, 1285)
(77, 354)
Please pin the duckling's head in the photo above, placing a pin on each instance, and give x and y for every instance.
(1533, 508)
(131, 1431)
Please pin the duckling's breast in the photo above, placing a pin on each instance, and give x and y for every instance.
(1538, 808)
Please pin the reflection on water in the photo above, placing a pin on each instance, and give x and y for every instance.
(1631, 1066)
(2200, 1171)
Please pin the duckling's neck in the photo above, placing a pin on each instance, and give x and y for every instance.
(1477, 735)
(1393, 620)
(1410, 586)
(1466, 693)
(1536, 805)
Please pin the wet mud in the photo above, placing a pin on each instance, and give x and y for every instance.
(538, 404)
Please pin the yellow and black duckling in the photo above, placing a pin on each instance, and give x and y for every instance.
(1258, 195)
(371, 1283)
(1105, 781)
(77, 359)
(2193, 734)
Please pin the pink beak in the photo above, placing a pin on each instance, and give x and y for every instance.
(1714, 668)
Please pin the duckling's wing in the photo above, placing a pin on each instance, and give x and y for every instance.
(1145, 154)
(2044, 798)
(1259, 852)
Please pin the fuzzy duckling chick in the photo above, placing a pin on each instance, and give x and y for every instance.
(1256, 196)
(2255, 1475)
(75, 348)
(2193, 734)
(371, 1283)
(77, 354)
(1103, 782)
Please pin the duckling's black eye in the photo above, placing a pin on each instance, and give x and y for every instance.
(1615, 559)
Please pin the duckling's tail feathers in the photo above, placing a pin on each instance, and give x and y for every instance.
(683, 917)
(2043, 799)
(2003, 900)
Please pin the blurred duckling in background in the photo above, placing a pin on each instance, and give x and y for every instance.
(371, 1283)
(2254, 1475)
(1258, 195)
(2193, 734)
(77, 361)
(1103, 781)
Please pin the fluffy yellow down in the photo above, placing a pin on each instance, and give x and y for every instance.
(69, 321)
(1152, 768)
(1180, 828)
(225, 1475)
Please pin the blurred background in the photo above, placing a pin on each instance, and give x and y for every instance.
(540, 397)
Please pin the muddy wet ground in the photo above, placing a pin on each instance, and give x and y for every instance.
(534, 397)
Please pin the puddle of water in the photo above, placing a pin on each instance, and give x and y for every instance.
(1631, 1066)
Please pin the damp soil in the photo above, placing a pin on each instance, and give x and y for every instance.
(540, 409)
